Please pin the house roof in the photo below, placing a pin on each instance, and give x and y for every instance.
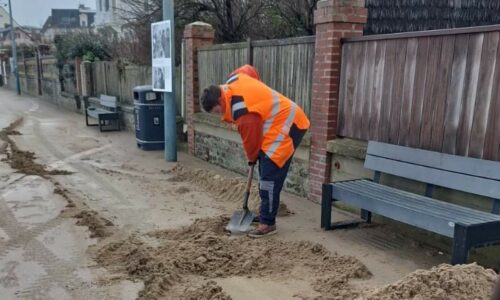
(66, 18)
(418, 15)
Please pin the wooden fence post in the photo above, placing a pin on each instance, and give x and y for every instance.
(86, 78)
(78, 75)
(249, 52)
(334, 19)
(38, 71)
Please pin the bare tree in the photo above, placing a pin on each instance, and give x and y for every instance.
(233, 20)
(299, 14)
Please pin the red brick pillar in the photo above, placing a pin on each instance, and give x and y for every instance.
(334, 19)
(196, 35)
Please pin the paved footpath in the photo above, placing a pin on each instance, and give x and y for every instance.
(44, 255)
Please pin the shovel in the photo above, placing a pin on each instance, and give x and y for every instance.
(241, 220)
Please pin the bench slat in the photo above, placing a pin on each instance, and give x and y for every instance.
(459, 164)
(426, 213)
(457, 181)
(395, 212)
(427, 205)
(422, 206)
(108, 101)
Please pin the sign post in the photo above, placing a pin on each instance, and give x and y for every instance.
(14, 50)
(163, 54)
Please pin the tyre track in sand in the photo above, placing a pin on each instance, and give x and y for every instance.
(23, 242)
(85, 170)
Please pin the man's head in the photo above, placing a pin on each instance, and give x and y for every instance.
(210, 99)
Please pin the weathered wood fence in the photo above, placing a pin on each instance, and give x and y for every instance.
(111, 78)
(37, 73)
(436, 90)
(285, 65)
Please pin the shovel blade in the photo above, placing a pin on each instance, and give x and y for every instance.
(240, 221)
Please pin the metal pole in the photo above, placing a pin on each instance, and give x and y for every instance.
(14, 50)
(169, 98)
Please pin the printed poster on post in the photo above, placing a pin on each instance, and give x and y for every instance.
(161, 54)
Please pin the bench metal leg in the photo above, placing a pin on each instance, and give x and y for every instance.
(366, 216)
(496, 206)
(326, 212)
(473, 236)
(461, 245)
(326, 206)
(105, 123)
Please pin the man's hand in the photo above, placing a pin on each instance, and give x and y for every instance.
(252, 163)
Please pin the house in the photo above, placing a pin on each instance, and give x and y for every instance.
(25, 36)
(63, 21)
(109, 13)
(5, 19)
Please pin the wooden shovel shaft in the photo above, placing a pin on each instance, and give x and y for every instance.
(250, 177)
(249, 186)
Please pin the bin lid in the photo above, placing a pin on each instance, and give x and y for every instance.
(143, 88)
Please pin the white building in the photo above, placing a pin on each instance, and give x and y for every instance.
(109, 13)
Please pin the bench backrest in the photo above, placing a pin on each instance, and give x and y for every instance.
(108, 101)
(471, 175)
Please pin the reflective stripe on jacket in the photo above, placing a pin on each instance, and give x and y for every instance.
(244, 94)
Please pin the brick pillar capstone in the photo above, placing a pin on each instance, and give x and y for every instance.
(196, 35)
(334, 19)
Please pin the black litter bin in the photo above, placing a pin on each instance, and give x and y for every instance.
(149, 118)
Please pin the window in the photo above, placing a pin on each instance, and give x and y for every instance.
(84, 24)
(100, 5)
(106, 5)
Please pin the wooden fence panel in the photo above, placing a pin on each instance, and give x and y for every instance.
(408, 83)
(285, 65)
(417, 106)
(483, 102)
(438, 92)
(217, 62)
(470, 89)
(49, 68)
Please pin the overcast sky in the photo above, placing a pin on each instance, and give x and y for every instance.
(35, 12)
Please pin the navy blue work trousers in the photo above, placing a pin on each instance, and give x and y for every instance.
(272, 179)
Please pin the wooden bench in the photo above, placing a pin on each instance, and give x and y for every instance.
(467, 227)
(107, 115)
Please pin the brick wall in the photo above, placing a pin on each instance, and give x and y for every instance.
(229, 154)
(196, 35)
(334, 19)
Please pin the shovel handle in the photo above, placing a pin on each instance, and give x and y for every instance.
(249, 186)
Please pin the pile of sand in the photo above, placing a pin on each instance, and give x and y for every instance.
(223, 188)
(441, 282)
(99, 227)
(203, 249)
(208, 291)
(22, 161)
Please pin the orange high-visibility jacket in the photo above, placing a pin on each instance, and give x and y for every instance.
(243, 94)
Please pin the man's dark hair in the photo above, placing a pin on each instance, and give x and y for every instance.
(210, 98)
